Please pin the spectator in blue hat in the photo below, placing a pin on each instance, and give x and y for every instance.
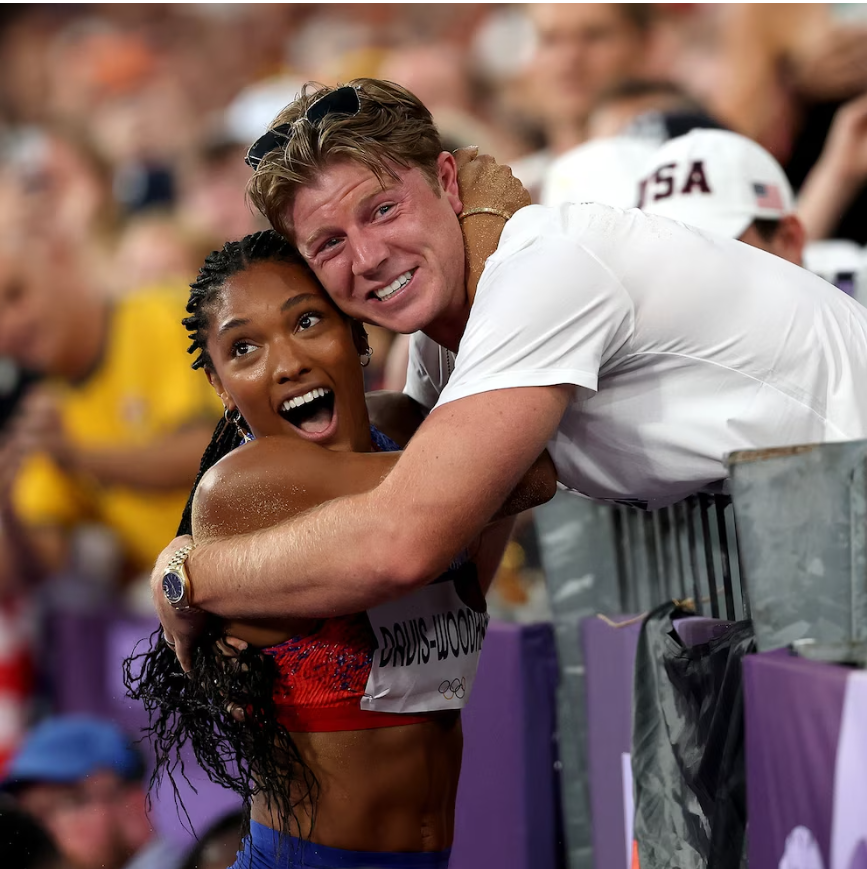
(24, 843)
(82, 779)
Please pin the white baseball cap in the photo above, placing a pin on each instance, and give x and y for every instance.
(603, 170)
(715, 180)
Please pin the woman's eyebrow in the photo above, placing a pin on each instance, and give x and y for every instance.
(298, 300)
(291, 302)
(232, 324)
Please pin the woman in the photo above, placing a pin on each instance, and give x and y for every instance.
(349, 744)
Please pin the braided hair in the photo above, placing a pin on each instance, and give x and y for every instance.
(256, 755)
(219, 266)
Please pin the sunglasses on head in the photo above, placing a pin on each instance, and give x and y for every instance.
(343, 101)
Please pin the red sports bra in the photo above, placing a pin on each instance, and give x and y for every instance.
(322, 676)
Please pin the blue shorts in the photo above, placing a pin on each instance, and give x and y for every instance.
(265, 848)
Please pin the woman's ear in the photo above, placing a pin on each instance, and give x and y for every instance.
(359, 337)
(217, 386)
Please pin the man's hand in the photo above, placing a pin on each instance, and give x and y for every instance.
(832, 66)
(181, 627)
(38, 428)
(485, 183)
(11, 457)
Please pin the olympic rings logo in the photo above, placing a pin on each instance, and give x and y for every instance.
(454, 690)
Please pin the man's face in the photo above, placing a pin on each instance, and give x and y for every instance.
(83, 818)
(391, 255)
(583, 49)
(32, 331)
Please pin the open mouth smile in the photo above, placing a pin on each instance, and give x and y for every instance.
(311, 414)
(392, 289)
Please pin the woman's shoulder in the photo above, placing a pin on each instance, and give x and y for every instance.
(253, 487)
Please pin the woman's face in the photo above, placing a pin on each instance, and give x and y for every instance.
(286, 359)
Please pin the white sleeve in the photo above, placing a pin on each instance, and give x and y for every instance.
(424, 372)
(550, 313)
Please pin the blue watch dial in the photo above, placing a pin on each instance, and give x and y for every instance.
(173, 587)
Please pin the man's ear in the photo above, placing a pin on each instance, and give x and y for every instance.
(791, 238)
(447, 173)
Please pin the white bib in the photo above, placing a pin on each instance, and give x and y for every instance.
(428, 651)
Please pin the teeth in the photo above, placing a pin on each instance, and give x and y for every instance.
(291, 403)
(393, 287)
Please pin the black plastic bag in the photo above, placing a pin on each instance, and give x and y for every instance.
(688, 766)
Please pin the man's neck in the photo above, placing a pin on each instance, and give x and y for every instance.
(448, 329)
(481, 237)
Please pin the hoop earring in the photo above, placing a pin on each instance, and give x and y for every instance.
(364, 358)
(234, 417)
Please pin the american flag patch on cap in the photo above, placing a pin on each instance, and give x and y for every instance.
(768, 196)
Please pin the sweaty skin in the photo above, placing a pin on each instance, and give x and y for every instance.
(273, 335)
(466, 458)
(390, 788)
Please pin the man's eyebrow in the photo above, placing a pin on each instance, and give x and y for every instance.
(290, 303)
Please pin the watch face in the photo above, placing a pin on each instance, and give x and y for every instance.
(173, 587)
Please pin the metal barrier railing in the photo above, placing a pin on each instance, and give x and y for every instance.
(685, 551)
(624, 561)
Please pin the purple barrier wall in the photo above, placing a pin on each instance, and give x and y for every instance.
(507, 811)
(793, 712)
(609, 666)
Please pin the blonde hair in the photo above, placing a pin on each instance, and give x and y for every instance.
(391, 129)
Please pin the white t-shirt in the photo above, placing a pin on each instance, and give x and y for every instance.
(682, 346)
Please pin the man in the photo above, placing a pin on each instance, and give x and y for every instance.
(26, 843)
(726, 184)
(582, 51)
(82, 779)
(640, 352)
(626, 127)
(114, 432)
(652, 110)
(746, 195)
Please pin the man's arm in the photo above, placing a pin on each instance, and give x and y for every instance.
(355, 552)
(838, 175)
(164, 463)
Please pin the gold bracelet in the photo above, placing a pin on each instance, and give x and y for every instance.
(483, 209)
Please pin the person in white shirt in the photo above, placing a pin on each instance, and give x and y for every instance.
(727, 184)
(639, 351)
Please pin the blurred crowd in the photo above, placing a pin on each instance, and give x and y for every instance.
(122, 135)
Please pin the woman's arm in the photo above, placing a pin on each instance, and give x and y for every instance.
(484, 183)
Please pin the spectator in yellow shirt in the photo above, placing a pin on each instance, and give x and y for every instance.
(113, 434)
